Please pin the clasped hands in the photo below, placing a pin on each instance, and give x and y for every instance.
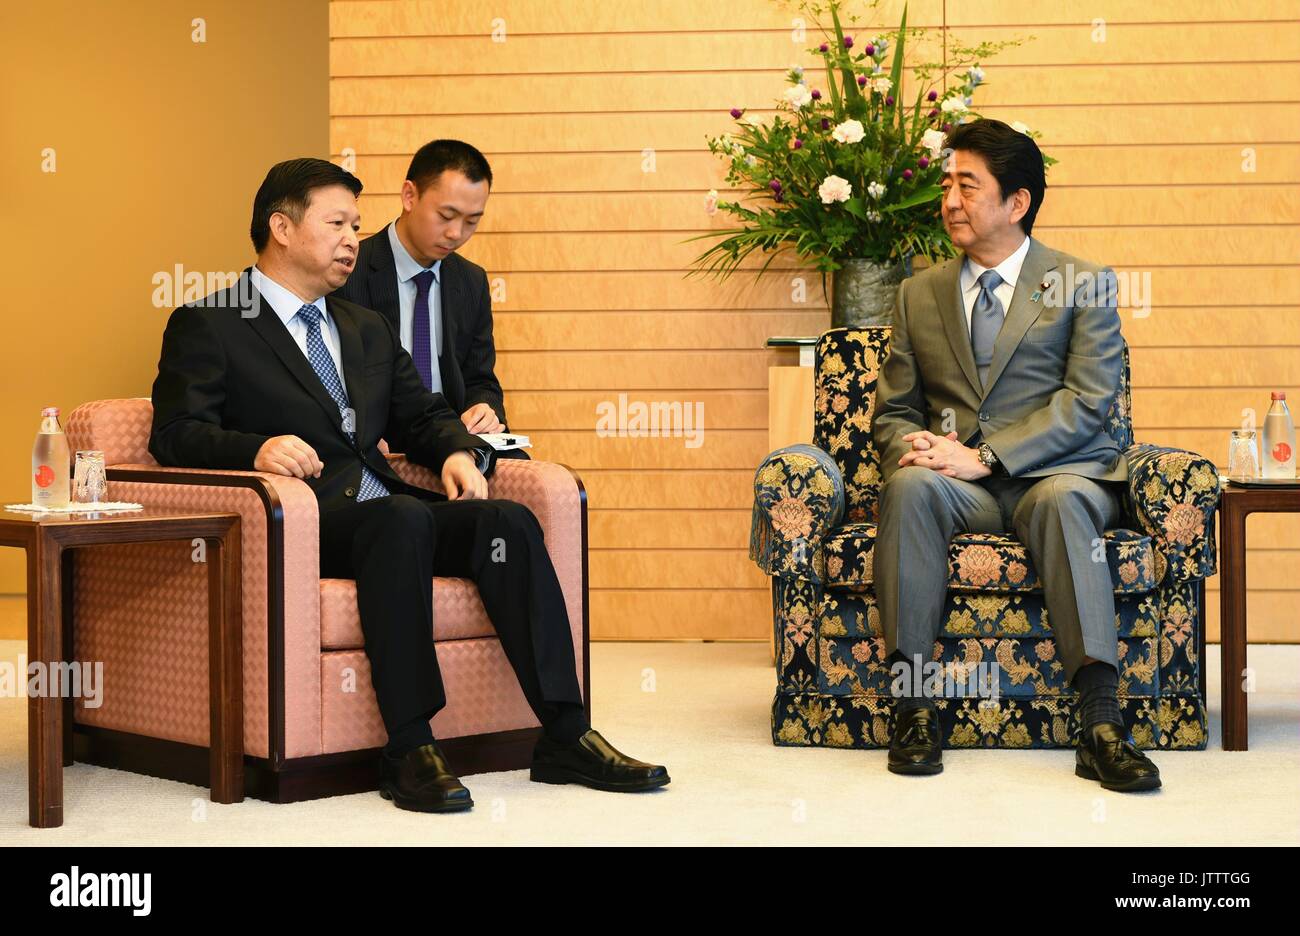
(945, 455)
(290, 456)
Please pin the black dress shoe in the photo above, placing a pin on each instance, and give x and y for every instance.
(593, 761)
(420, 781)
(917, 743)
(1106, 753)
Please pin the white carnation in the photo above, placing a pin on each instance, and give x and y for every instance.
(798, 96)
(932, 140)
(851, 131)
(834, 189)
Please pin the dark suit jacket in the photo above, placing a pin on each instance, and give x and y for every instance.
(468, 354)
(228, 381)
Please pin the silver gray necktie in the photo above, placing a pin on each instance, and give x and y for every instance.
(985, 322)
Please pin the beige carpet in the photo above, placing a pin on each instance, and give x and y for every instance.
(707, 719)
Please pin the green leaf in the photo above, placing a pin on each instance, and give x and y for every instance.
(919, 197)
(896, 69)
(855, 207)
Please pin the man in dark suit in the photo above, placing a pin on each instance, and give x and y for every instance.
(438, 302)
(273, 376)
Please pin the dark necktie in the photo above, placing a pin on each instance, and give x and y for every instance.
(420, 343)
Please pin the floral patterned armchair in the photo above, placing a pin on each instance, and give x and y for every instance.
(814, 528)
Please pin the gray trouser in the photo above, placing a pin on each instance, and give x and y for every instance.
(1057, 517)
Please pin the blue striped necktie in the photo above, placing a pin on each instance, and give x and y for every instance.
(323, 365)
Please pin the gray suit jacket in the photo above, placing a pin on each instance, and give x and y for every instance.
(1056, 368)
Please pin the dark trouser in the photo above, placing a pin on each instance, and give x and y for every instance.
(1057, 517)
(394, 546)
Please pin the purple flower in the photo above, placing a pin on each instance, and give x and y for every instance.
(798, 143)
(775, 185)
(869, 49)
(816, 95)
(934, 112)
(907, 174)
(947, 128)
(823, 48)
(848, 42)
(862, 81)
(932, 96)
(736, 112)
(923, 162)
(778, 197)
(889, 102)
(826, 124)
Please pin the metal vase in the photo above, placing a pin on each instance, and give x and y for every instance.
(863, 293)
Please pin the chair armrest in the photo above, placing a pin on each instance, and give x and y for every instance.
(280, 572)
(798, 499)
(1174, 494)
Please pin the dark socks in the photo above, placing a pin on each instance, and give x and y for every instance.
(1098, 685)
(567, 724)
(914, 698)
(409, 736)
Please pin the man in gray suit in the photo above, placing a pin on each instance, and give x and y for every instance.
(990, 412)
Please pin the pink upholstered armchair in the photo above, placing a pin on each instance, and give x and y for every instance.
(311, 724)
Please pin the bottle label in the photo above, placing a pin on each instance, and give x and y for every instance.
(44, 476)
(1281, 453)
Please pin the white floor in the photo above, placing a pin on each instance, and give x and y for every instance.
(702, 709)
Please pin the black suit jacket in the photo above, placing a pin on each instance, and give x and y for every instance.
(468, 355)
(228, 381)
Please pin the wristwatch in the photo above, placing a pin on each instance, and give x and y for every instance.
(988, 459)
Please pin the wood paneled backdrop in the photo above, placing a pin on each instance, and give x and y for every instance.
(1153, 128)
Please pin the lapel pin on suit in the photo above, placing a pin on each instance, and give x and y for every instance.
(1038, 293)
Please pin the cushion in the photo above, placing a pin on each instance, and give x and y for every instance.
(987, 562)
(458, 613)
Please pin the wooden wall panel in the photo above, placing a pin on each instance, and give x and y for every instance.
(1154, 115)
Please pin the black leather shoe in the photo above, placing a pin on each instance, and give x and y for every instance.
(917, 743)
(1106, 753)
(593, 761)
(421, 781)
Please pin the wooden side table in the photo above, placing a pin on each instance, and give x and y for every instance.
(48, 539)
(1235, 504)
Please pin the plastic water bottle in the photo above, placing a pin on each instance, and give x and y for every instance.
(1279, 439)
(50, 463)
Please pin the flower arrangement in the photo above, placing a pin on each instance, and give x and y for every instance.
(846, 168)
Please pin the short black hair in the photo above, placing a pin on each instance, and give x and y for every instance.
(287, 189)
(437, 156)
(1013, 158)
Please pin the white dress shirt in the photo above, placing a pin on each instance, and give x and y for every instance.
(286, 305)
(407, 270)
(1008, 269)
